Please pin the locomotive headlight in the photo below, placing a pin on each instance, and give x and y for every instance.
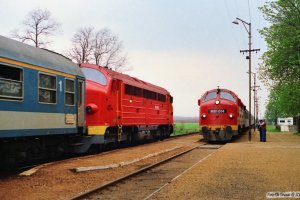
(230, 115)
(204, 115)
(91, 108)
(217, 102)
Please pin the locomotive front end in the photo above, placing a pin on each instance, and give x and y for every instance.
(218, 115)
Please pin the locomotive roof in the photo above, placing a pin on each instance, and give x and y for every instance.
(135, 81)
(129, 80)
(226, 90)
(221, 89)
(21, 52)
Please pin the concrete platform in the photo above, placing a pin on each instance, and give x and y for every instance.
(242, 170)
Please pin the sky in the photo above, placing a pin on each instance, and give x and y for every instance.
(187, 47)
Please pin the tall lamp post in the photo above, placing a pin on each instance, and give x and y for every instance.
(249, 58)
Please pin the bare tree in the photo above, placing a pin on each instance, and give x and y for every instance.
(38, 25)
(107, 50)
(82, 45)
(100, 48)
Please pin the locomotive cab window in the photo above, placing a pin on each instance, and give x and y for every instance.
(11, 83)
(94, 75)
(228, 96)
(209, 96)
(47, 88)
(69, 92)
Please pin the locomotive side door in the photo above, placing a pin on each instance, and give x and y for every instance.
(80, 104)
(117, 101)
(118, 90)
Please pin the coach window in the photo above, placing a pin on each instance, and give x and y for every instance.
(228, 96)
(94, 75)
(47, 88)
(11, 83)
(69, 92)
(210, 96)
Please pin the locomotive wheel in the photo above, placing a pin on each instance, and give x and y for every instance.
(159, 134)
(129, 140)
(222, 135)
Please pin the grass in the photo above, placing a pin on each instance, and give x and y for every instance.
(183, 128)
(273, 129)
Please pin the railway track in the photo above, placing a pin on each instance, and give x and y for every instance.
(23, 169)
(145, 182)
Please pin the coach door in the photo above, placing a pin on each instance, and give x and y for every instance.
(80, 101)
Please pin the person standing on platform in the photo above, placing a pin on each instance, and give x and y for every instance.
(263, 131)
(259, 128)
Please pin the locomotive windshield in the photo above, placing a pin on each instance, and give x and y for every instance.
(228, 96)
(94, 75)
(209, 96)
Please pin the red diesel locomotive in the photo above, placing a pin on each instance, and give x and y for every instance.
(120, 108)
(222, 115)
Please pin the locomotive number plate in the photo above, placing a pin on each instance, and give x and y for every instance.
(217, 111)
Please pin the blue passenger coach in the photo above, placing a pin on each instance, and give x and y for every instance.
(41, 94)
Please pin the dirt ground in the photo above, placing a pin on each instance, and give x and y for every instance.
(59, 181)
(242, 170)
(239, 170)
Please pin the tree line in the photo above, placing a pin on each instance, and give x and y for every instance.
(100, 47)
(280, 67)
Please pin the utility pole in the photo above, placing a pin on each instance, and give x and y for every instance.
(255, 106)
(249, 58)
(257, 98)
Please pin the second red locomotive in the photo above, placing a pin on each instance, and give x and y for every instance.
(222, 115)
(121, 108)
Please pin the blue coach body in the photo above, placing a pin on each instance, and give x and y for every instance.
(41, 92)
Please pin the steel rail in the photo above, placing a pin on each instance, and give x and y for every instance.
(89, 192)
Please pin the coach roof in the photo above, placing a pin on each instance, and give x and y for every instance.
(21, 52)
